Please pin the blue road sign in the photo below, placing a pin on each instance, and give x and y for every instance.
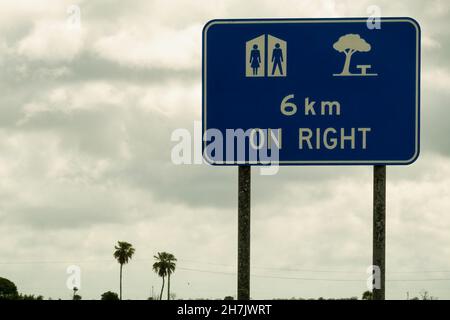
(311, 91)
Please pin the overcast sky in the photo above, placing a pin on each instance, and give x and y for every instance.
(86, 116)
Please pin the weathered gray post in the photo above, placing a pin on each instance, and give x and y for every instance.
(379, 228)
(244, 233)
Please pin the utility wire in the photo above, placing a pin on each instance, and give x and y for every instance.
(231, 273)
(308, 279)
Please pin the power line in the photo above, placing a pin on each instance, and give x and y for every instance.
(314, 270)
(52, 261)
(309, 279)
(255, 275)
(229, 266)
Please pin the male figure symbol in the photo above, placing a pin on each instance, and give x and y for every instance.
(277, 59)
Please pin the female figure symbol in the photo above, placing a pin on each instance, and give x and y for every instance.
(255, 59)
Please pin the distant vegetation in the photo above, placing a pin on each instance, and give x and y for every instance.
(109, 295)
(8, 291)
(164, 266)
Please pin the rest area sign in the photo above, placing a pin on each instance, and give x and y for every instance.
(311, 91)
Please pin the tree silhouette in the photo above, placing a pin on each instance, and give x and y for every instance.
(8, 289)
(124, 252)
(160, 268)
(171, 265)
(367, 295)
(164, 266)
(349, 44)
(109, 295)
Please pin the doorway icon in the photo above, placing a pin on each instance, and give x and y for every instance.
(266, 56)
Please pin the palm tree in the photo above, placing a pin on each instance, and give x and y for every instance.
(124, 252)
(170, 269)
(164, 266)
(160, 267)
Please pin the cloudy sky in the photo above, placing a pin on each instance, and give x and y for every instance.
(86, 116)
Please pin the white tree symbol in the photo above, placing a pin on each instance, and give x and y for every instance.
(349, 44)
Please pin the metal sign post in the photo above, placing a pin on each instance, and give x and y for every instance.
(379, 229)
(244, 233)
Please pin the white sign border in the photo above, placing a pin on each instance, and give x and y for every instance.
(325, 20)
